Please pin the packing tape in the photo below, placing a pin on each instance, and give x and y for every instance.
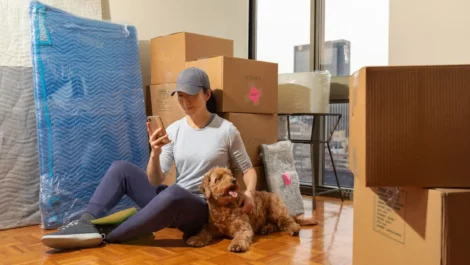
(390, 195)
(354, 91)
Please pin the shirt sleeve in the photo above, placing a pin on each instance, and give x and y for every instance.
(238, 153)
(166, 157)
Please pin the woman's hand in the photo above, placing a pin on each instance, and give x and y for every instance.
(157, 142)
(248, 201)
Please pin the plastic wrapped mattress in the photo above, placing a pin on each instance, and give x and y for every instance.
(19, 165)
(19, 168)
(89, 107)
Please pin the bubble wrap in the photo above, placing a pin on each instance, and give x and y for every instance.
(281, 176)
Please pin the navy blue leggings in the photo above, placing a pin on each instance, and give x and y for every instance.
(161, 206)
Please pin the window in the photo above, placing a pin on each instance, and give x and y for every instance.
(354, 34)
(282, 27)
(340, 36)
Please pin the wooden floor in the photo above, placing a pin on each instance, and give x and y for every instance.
(328, 243)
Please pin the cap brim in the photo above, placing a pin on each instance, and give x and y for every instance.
(185, 88)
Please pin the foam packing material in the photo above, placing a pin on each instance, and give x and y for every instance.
(281, 176)
(304, 92)
(15, 40)
(89, 107)
(19, 167)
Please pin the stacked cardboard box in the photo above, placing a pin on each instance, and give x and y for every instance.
(246, 95)
(169, 55)
(245, 90)
(408, 150)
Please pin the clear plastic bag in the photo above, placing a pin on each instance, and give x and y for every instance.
(304, 92)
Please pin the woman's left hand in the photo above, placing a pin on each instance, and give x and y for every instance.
(247, 201)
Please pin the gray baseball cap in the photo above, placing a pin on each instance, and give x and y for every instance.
(191, 80)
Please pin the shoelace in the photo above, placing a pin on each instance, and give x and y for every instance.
(73, 223)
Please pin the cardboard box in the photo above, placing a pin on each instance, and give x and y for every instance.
(241, 85)
(414, 226)
(164, 105)
(147, 101)
(260, 183)
(255, 129)
(170, 53)
(409, 126)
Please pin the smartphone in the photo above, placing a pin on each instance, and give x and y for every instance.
(155, 123)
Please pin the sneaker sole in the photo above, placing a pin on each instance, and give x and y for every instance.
(72, 241)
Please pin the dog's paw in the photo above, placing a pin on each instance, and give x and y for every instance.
(238, 246)
(269, 228)
(195, 241)
(294, 229)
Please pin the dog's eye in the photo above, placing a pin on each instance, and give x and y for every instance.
(218, 178)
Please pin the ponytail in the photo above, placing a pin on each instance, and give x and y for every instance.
(211, 103)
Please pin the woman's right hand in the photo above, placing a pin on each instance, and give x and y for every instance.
(157, 142)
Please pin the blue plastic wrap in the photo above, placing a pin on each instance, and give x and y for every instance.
(89, 107)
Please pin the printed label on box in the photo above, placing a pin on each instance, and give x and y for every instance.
(162, 100)
(390, 213)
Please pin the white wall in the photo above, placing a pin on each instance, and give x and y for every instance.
(220, 18)
(15, 36)
(429, 32)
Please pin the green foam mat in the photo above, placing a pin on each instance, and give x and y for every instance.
(115, 218)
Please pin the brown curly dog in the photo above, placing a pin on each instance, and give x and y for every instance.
(226, 217)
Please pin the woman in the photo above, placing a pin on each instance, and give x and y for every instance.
(198, 142)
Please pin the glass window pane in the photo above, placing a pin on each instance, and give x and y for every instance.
(283, 34)
(339, 149)
(355, 35)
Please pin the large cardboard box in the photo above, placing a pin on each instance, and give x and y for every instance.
(241, 85)
(170, 53)
(413, 226)
(260, 183)
(409, 126)
(164, 105)
(255, 130)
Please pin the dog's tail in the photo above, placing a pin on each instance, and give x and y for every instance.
(305, 221)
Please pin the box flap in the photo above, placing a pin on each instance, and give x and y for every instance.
(456, 229)
(414, 117)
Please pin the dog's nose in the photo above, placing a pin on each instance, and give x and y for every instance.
(234, 181)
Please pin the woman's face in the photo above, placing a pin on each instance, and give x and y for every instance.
(193, 104)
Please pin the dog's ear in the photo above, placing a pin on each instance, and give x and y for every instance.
(205, 189)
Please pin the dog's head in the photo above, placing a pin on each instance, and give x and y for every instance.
(220, 185)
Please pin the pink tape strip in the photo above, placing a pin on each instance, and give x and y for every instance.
(254, 94)
(287, 178)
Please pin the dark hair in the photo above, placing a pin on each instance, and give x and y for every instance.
(211, 104)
